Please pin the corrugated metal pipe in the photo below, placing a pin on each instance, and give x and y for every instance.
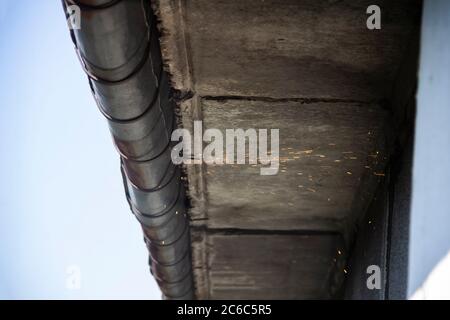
(118, 46)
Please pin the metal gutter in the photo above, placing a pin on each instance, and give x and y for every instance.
(118, 47)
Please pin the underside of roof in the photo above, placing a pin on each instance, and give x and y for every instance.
(309, 68)
(314, 71)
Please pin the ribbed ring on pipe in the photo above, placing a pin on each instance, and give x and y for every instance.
(112, 42)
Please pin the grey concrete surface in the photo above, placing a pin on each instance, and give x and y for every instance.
(313, 70)
(264, 266)
(324, 150)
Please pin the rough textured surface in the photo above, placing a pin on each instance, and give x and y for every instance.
(370, 249)
(302, 269)
(324, 149)
(306, 48)
(313, 70)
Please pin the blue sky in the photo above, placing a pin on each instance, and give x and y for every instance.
(61, 196)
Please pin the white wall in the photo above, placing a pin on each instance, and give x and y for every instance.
(430, 215)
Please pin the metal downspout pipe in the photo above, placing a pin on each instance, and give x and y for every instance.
(118, 47)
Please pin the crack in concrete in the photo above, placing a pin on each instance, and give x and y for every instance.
(241, 231)
(302, 100)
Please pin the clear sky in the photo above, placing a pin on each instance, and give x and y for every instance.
(62, 203)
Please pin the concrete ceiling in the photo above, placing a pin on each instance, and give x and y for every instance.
(313, 70)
